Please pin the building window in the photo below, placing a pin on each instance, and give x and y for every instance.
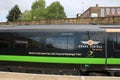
(118, 11)
(94, 15)
(117, 41)
(113, 11)
(107, 11)
(102, 12)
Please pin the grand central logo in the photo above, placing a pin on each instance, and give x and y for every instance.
(90, 42)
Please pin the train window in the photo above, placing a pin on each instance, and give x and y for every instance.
(21, 42)
(60, 42)
(97, 36)
(4, 42)
(57, 42)
(117, 41)
(34, 42)
(70, 42)
(27, 42)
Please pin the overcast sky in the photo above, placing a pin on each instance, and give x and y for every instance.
(72, 7)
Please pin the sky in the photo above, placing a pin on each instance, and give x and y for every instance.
(72, 7)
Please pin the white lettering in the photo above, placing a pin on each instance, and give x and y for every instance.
(60, 54)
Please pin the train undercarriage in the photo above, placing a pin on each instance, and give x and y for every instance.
(60, 69)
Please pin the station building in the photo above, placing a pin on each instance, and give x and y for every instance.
(101, 12)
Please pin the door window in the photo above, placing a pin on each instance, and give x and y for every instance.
(117, 41)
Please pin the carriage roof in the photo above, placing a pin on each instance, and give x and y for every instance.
(71, 27)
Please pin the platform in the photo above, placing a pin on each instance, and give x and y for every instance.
(24, 76)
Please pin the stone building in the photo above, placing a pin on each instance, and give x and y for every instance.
(101, 12)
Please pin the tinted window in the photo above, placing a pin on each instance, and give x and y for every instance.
(57, 42)
(97, 36)
(117, 41)
(21, 42)
(4, 42)
(34, 42)
(60, 42)
(27, 42)
(70, 42)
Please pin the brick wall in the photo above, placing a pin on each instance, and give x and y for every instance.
(99, 20)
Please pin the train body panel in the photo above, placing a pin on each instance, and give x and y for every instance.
(87, 46)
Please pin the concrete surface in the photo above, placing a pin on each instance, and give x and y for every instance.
(24, 76)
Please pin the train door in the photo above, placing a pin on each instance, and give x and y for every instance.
(92, 44)
(96, 43)
(113, 49)
(92, 49)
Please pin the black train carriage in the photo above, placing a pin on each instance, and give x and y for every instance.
(61, 49)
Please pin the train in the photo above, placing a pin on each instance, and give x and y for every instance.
(67, 49)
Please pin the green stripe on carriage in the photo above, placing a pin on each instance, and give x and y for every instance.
(113, 61)
(68, 60)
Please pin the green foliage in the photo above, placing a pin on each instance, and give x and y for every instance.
(38, 14)
(39, 11)
(14, 13)
(26, 16)
(38, 4)
(55, 11)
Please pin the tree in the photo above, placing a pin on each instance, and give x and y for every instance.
(26, 16)
(38, 10)
(55, 11)
(14, 13)
(38, 4)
